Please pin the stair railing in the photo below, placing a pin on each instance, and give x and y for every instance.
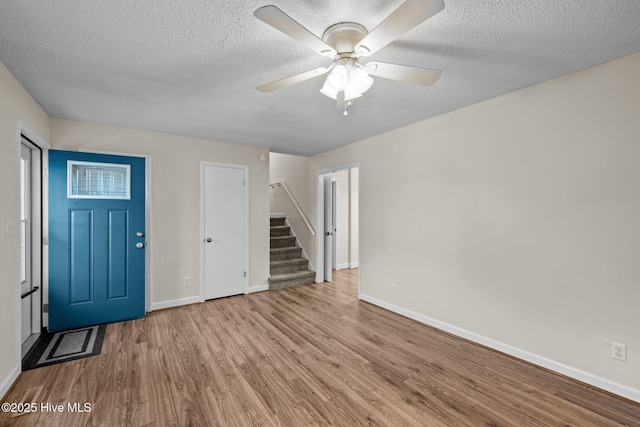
(295, 204)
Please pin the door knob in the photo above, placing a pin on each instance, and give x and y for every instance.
(139, 234)
(139, 245)
(208, 239)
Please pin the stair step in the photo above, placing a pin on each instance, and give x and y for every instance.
(280, 281)
(288, 265)
(279, 221)
(283, 241)
(280, 230)
(279, 254)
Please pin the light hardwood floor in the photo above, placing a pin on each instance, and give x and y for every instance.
(304, 356)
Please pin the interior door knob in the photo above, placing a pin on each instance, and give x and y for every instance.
(139, 245)
(208, 239)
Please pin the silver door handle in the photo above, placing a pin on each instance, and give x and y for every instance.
(139, 245)
(208, 239)
(139, 234)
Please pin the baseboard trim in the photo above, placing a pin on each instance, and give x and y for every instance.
(9, 380)
(174, 303)
(347, 265)
(577, 374)
(259, 288)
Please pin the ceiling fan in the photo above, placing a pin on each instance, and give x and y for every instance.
(345, 43)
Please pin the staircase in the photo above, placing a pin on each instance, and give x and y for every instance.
(288, 266)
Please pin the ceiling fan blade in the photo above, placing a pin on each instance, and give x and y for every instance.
(403, 73)
(281, 21)
(291, 80)
(408, 15)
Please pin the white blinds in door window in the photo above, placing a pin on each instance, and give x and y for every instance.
(98, 180)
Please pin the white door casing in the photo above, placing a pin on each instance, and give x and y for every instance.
(334, 224)
(26, 283)
(328, 229)
(224, 229)
(30, 230)
(39, 234)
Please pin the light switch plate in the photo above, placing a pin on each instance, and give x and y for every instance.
(10, 227)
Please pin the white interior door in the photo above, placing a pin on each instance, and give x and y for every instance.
(328, 229)
(224, 230)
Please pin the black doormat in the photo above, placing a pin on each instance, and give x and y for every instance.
(58, 347)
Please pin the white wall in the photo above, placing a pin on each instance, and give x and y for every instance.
(516, 219)
(294, 171)
(174, 236)
(15, 105)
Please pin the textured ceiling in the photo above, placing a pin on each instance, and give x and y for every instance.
(190, 67)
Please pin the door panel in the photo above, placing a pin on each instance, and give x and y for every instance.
(96, 271)
(80, 255)
(224, 228)
(118, 254)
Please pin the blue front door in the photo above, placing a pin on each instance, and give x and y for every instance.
(96, 239)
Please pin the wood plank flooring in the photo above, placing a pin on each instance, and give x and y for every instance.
(304, 356)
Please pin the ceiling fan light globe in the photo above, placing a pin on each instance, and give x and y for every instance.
(337, 79)
(357, 75)
(327, 91)
(360, 80)
(365, 84)
(336, 83)
(351, 93)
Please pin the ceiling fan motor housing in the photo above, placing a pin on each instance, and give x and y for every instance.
(344, 36)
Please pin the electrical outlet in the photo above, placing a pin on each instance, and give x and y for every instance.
(619, 351)
(187, 282)
(394, 288)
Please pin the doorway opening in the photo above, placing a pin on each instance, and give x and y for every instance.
(337, 220)
(30, 233)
